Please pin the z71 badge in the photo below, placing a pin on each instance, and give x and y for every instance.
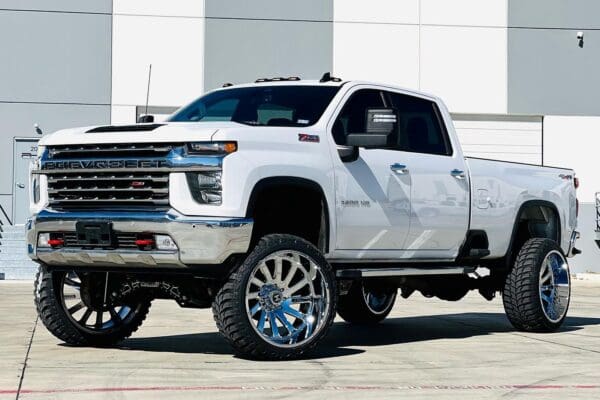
(303, 137)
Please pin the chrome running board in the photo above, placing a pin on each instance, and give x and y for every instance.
(355, 273)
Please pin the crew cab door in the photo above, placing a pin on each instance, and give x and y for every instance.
(439, 179)
(372, 190)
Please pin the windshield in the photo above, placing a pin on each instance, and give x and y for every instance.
(261, 105)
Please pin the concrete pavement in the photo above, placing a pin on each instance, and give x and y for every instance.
(426, 348)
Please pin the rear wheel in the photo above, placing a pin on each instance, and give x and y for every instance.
(75, 307)
(366, 305)
(537, 291)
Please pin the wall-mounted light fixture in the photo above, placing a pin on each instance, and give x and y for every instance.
(580, 38)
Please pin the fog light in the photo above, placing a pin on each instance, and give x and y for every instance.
(164, 242)
(43, 240)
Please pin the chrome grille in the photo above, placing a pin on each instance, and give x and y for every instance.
(70, 187)
(97, 190)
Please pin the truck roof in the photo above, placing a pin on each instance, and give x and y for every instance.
(315, 82)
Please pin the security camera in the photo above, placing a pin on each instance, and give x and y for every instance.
(580, 35)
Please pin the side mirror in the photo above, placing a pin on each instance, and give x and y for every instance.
(144, 119)
(381, 124)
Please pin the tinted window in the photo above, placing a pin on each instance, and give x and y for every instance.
(261, 105)
(353, 117)
(420, 127)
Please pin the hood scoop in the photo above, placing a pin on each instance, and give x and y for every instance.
(125, 128)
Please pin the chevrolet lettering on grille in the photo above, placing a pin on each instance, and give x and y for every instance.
(104, 164)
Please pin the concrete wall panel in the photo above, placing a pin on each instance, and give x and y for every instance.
(176, 8)
(377, 11)
(465, 66)
(87, 6)
(387, 53)
(174, 47)
(306, 10)
(549, 73)
(55, 57)
(573, 14)
(491, 13)
(244, 50)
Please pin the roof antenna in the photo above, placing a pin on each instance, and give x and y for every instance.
(147, 118)
(148, 90)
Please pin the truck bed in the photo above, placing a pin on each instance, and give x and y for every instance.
(500, 188)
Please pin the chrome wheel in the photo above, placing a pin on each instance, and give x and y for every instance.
(378, 301)
(88, 308)
(287, 298)
(554, 286)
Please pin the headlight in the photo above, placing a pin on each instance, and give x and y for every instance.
(35, 189)
(211, 148)
(205, 187)
(40, 151)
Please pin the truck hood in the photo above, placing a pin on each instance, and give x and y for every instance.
(165, 132)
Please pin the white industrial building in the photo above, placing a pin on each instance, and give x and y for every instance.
(520, 77)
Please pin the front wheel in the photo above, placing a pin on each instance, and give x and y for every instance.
(366, 305)
(74, 307)
(537, 291)
(280, 302)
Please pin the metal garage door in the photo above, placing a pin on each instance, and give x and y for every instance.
(500, 137)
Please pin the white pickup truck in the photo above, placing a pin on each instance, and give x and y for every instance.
(283, 202)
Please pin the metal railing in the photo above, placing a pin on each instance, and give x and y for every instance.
(598, 211)
(8, 219)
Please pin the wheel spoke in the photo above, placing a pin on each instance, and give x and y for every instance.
(293, 312)
(255, 309)
(265, 271)
(281, 317)
(547, 298)
(86, 316)
(273, 323)
(290, 291)
(290, 274)
(115, 317)
(98, 324)
(278, 269)
(76, 307)
(547, 273)
(303, 299)
(261, 321)
(257, 282)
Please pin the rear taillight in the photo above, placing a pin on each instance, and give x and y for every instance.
(576, 182)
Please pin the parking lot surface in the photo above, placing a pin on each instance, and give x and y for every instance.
(426, 348)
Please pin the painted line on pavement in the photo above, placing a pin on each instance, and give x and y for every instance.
(296, 388)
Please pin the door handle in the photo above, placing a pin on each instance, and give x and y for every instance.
(458, 174)
(399, 168)
(21, 185)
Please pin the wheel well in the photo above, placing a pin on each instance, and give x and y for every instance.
(536, 219)
(290, 205)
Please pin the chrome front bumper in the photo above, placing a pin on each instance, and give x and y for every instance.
(200, 240)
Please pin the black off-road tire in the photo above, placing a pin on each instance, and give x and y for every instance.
(51, 312)
(521, 294)
(353, 308)
(229, 309)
